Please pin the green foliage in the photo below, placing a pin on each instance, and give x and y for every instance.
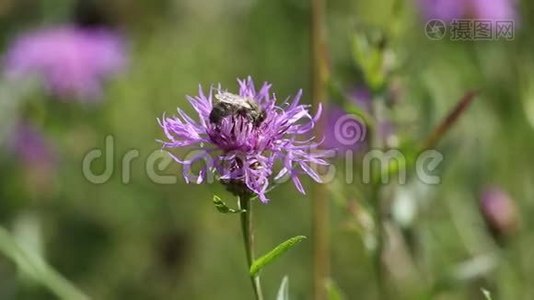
(37, 269)
(268, 258)
(369, 54)
(223, 208)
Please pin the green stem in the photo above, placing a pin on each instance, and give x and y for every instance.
(248, 239)
(320, 203)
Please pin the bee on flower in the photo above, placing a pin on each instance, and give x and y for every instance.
(246, 135)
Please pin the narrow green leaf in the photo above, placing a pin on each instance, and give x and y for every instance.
(261, 262)
(223, 208)
(37, 269)
(486, 293)
(283, 291)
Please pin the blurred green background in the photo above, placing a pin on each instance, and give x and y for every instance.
(143, 240)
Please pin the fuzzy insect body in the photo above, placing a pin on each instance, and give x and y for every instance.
(229, 104)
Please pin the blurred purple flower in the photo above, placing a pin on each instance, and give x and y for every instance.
(361, 97)
(71, 61)
(447, 10)
(30, 146)
(243, 144)
(37, 156)
(499, 211)
(496, 10)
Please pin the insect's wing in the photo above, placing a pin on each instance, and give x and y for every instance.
(228, 98)
(232, 99)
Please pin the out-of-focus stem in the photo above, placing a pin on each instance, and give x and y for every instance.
(380, 236)
(449, 121)
(248, 238)
(320, 215)
(375, 199)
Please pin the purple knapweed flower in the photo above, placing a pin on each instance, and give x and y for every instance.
(447, 10)
(244, 136)
(70, 61)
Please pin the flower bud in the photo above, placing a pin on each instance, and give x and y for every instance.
(499, 212)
